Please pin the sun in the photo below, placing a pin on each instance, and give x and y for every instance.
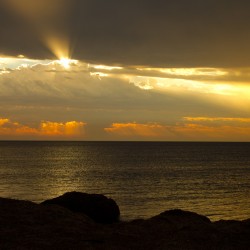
(65, 62)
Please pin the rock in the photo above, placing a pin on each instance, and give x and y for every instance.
(98, 207)
(26, 225)
(183, 218)
(180, 229)
(235, 232)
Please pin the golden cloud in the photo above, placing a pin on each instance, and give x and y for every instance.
(132, 129)
(3, 121)
(216, 133)
(45, 129)
(68, 129)
(215, 119)
(186, 131)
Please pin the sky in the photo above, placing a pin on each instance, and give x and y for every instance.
(171, 70)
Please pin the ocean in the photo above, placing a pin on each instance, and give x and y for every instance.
(144, 178)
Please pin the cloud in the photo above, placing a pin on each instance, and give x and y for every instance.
(179, 132)
(135, 129)
(99, 95)
(218, 119)
(217, 128)
(81, 89)
(222, 77)
(72, 129)
(3, 121)
(151, 33)
(221, 132)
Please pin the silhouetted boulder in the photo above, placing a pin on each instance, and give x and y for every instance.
(181, 217)
(98, 207)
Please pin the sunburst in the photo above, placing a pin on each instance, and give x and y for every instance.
(65, 62)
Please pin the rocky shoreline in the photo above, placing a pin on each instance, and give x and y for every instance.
(27, 225)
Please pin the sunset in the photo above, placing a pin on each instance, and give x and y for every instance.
(150, 68)
(147, 102)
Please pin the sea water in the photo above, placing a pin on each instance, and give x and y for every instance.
(144, 178)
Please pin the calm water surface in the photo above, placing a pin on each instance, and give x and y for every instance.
(145, 178)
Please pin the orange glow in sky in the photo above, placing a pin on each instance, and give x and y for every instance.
(44, 130)
(183, 131)
(192, 103)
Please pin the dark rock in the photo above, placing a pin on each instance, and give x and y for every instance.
(187, 218)
(235, 232)
(98, 207)
(26, 225)
(176, 227)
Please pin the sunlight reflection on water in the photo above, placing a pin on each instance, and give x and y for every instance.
(144, 178)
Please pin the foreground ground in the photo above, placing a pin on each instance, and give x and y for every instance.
(26, 225)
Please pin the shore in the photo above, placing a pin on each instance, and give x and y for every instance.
(27, 225)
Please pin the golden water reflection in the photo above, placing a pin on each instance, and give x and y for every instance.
(144, 178)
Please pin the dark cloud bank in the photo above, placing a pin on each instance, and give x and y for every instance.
(175, 33)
